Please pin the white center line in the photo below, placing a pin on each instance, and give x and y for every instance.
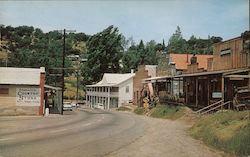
(87, 124)
(56, 131)
(6, 139)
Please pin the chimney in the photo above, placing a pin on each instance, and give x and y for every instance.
(132, 71)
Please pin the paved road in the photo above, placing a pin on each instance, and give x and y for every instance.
(86, 133)
(94, 133)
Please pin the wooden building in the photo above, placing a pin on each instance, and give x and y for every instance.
(205, 88)
(228, 71)
(169, 88)
(143, 72)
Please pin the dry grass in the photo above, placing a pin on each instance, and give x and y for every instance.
(3, 55)
(70, 85)
(229, 131)
(124, 108)
(166, 111)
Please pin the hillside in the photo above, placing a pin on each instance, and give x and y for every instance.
(228, 131)
(26, 46)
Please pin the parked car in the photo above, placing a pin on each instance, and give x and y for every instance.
(67, 106)
(100, 106)
(74, 104)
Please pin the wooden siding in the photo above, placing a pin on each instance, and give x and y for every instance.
(236, 59)
(137, 83)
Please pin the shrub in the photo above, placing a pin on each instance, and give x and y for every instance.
(139, 110)
(124, 108)
(167, 111)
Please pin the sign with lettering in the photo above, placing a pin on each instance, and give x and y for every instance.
(28, 96)
(216, 95)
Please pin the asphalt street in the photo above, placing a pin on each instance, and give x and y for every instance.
(85, 133)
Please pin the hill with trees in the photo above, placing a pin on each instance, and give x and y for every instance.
(106, 51)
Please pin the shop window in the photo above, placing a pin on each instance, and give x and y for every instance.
(4, 90)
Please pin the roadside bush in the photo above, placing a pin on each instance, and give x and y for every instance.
(139, 110)
(167, 111)
(124, 108)
(229, 131)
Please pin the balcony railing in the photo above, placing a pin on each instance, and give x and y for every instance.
(102, 94)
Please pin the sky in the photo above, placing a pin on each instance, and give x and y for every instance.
(141, 19)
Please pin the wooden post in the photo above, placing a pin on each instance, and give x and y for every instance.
(42, 80)
(222, 90)
(171, 86)
(179, 84)
(109, 98)
(249, 78)
(208, 90)
(186, 90)
(196, 90)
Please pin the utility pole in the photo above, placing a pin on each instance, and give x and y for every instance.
(63, 62)
(63, 66)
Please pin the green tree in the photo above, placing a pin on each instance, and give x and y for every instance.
(150, 49)
(104, 51)
(140, 54)
(131, 59)
(141, 51)
(176, 43)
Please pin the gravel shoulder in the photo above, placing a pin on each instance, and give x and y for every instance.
(166, 138)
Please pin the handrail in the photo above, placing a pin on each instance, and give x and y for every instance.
(216, 107)
(209, 106)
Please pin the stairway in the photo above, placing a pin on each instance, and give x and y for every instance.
(213, 107)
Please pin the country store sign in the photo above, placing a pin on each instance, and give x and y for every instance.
(28, 96)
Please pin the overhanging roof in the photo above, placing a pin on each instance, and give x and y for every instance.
(224, 72)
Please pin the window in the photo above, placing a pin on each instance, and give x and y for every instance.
(225, 52)
(4, 90)
(127, 89)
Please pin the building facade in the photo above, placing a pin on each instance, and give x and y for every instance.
(21, 91)
(212, 78)
(228, 72)
(112, 91)
(143, 72)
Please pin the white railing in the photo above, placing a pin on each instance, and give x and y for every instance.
(102, 94)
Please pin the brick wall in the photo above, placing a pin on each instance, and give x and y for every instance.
(137, 86)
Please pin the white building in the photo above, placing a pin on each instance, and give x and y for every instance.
(21, 91)
(112, 91)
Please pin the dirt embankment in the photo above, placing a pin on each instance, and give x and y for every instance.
(166, 138)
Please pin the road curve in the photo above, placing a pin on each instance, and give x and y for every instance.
(86, 133)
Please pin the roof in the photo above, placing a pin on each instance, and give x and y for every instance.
(20, 76)
(224, 72)
(181, 60)
(239, 37)
(111, 79)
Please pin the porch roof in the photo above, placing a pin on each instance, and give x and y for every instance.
(224, 72)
